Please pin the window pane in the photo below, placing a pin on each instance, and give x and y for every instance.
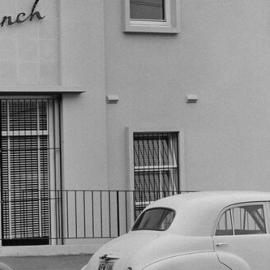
(225, 224)
(147, 9)
(155, 149)
(158, 219)
(249, 219)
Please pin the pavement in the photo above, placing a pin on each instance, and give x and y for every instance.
(72, 262)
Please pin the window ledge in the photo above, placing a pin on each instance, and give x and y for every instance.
(36, 89)
(139, 28)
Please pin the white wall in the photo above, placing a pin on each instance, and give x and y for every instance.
(65, 49)
(84, 123)
(222, 54)
(29, 51)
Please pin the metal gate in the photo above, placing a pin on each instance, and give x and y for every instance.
(29, 145)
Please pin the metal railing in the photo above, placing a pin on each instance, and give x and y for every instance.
(46, 217)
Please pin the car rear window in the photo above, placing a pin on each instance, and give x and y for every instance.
(157, 219)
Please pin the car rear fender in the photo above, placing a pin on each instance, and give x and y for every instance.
(4, 267)
(233, 261)
(190, 261)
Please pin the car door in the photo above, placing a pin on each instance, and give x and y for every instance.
(241, 240)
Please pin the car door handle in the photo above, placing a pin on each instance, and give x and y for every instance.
(221, 244)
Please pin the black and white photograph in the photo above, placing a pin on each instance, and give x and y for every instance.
(134, 134)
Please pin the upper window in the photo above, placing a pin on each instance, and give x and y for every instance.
(157, 16)
(243, 219)
(153, 10)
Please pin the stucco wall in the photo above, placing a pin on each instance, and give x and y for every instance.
(29, 51)
(63, 50)
(222, 55)
(84, 123)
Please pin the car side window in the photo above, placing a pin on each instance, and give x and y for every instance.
(242, 219)
(249, 219)
(224, 226)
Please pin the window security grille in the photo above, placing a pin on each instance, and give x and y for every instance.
(28, 154)
(156, 169)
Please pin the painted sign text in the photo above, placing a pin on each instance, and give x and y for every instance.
(22, 17)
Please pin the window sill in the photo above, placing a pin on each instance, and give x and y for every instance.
(140, 28)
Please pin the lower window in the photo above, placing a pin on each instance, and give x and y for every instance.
(156, 167)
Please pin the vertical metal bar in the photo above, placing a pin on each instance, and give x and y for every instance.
(50, 210)
(146, 162)
(60, 167)
(101, 215)
(109, 208)
(55, 214)
(76, 214)
(59, 194)
(55, 174)
(177, 137)
(84, 221)
(93, 214)
(118, 215)
(126, 211)
(67, 213)
(159, 171)
(152, 186)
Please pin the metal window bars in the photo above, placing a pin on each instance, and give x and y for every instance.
(156, 167)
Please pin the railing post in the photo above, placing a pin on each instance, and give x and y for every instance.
(118, 215)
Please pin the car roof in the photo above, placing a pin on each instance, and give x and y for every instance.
(197, 212)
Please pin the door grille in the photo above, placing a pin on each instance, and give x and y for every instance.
(26, 134)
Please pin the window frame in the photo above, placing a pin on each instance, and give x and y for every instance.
(130, 130)
(170, 25)
(266, 208)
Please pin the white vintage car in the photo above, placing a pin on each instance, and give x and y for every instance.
(194, 231)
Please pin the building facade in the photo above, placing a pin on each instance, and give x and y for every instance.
(107, 105)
